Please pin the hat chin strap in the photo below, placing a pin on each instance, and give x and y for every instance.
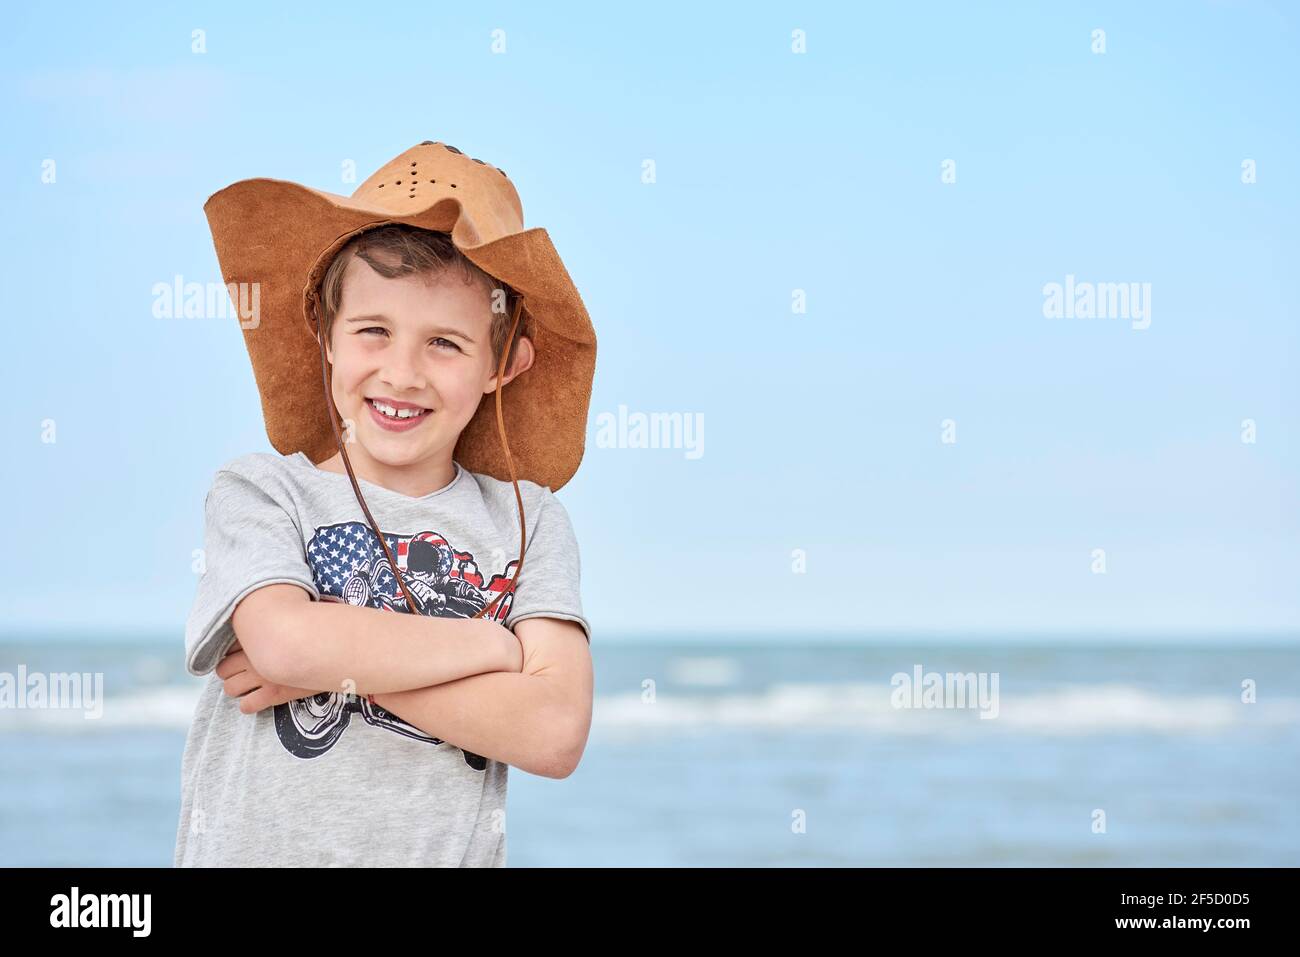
(412, 605)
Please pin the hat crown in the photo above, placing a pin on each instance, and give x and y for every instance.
(432, 171)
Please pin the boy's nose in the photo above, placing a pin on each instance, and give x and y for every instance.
(402, 372)
(402, 381)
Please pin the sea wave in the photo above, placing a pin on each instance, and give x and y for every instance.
(1065, 710)
(1068, 709)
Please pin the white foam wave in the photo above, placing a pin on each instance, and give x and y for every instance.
(167, 706)
(1072, 709)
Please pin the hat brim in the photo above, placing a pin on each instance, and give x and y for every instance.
(281, 235)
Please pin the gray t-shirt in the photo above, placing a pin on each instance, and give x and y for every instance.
(333, 780)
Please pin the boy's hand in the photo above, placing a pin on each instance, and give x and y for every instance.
(254, 691)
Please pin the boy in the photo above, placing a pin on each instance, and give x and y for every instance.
(372, 674)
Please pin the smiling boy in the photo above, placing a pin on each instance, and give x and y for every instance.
(382, 635)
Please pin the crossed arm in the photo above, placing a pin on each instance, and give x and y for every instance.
(523, 698)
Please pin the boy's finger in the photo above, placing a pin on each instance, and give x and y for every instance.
(242, 683)
(233, 664)
(255, 701)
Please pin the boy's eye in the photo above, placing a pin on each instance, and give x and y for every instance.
(442, 343)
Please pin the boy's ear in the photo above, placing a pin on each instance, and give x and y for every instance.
(521, 362)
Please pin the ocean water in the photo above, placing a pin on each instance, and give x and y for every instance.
(738, 753)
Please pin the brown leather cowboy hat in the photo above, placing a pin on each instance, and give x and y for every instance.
(283, 236)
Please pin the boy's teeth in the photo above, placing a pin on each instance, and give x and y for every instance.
(392, 413)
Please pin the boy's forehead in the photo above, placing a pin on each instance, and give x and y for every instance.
(366, 292)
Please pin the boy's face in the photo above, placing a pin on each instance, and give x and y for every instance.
(412, 343)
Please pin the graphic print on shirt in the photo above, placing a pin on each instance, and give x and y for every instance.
(349, 566)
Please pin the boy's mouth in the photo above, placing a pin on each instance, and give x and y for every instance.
(396, 416)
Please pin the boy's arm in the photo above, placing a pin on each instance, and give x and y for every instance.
(536, 720)
(291, 640)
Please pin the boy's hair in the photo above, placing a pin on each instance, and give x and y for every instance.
(399, 250)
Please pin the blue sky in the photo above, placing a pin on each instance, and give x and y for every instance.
(775, 171)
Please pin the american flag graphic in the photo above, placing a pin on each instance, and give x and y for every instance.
(348, 565)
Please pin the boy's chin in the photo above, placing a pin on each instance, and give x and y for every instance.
(396, 449)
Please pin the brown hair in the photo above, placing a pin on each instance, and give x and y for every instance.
(400, 250)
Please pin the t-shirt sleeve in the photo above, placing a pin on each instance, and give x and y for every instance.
(249, 540)
(549, 584)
